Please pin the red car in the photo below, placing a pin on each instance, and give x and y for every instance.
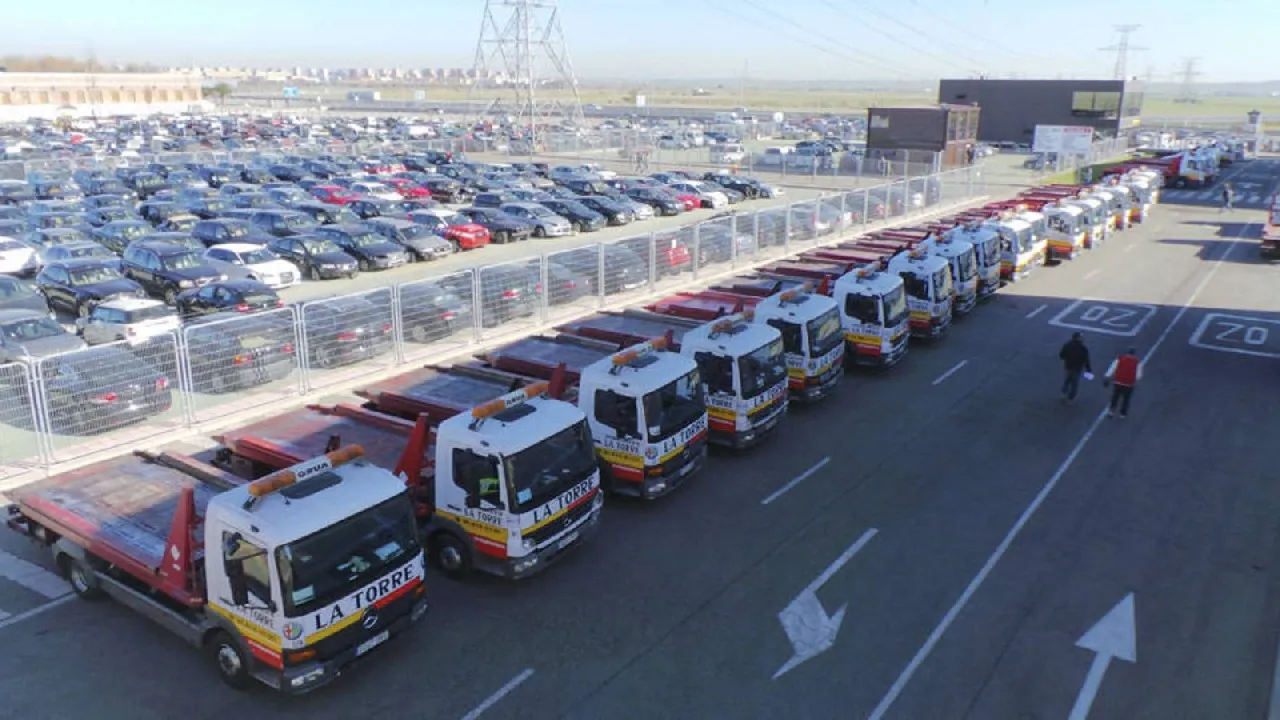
(408, 189)
(691, 202)
(382, 167)
(334, 194)
(453, 227)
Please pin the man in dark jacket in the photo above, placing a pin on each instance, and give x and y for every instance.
(1075, 360)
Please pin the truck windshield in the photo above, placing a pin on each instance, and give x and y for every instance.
(327, 565)
(671, 408)
(1025, 241)
(942, 286)
(824, 333)
(895, 306)
(762, 368)
(548, 468)
(966, 263)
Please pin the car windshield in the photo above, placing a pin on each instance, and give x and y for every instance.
(824, 333)
(58, 221)
(133, 232)
(328, 565)
(319, 247)
(894, 306)
(548, 468)
(215, 205)
(93, 275)
(255, 257)
(89, 251)
(762, 368)
(184, 261)
(366, 239)
(673, 406)
(539, 211)
(414, 232)
(236, 230)
(967, 264)
(36, 328)
(294, 222)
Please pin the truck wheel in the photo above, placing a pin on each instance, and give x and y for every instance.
(230, 659)
(451, 555)
(83, 582)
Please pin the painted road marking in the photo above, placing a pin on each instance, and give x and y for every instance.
(895, 691)
(796, 481)
(32, 576)
(502, 692)
(950, 372)
(20, 617)
(1238, 334)
(1037, 311)
(1102, 316)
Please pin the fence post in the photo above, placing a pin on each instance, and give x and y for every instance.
(397, 325)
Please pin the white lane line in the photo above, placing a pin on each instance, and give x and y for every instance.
(32, 576)
(3, 616)
(798, 479)
(20, 617)
(502, 692)
(1091, 273)
(923, 653)
(950, 372)
(1037, 311)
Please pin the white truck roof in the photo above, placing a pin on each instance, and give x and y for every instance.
(507, 433)
(867, 282)
(921, 262)
(794, 306)
(741, 338)
(645, 374)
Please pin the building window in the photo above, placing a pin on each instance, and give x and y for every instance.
(1096, 106)
(1131, 106)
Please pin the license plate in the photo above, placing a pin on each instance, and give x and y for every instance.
(688, 467)
(372, 642)
(567, 540)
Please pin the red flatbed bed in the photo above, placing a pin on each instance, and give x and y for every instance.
(630, 327)
(293, 437)
(760, 286)
(539, 356)
(439, 392)
(704, 306)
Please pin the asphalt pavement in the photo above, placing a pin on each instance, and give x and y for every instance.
(943, 540)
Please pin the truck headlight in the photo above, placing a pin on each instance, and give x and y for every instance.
(529, 544)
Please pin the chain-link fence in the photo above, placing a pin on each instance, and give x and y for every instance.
(111, 396)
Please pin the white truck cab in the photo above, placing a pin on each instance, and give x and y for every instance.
(930, 290)
(648, 416)
(811, 338)
(874, 316)
(1019, 253)
(744, 376)
(1066, 231)
(961, 255)
(986, 244)
(1093, 218)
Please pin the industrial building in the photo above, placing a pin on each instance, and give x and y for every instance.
(51, 95)
(939, 135)
(1011, 109)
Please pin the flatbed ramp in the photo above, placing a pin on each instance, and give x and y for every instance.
(293, 437)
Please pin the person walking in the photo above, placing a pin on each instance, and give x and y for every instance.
(1123, 375)
(1075, 363)
(1228, 198)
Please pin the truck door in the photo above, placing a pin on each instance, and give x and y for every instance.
(248, 568)
(480, 478)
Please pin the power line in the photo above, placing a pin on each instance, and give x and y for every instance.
(1188, 72)
(885, 16)
(1122, 49)
(892, 38)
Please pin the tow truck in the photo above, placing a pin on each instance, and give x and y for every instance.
(874, 316)
(958, 253)
(504, 486)
(809, 323)
(926, 280)
(1095, 212)
(1064, 231)
(741, 363)
(286, 580)
(1020, 252)
(1269, 247)
(644, 404)
(1146, 191)
(986, 243)
(1119, 199)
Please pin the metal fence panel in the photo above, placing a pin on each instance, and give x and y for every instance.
(240, 361)
(348, 335)
(717, 242)
(629, 267)
(84, 395)
(436, 314)
(673, 256)
(21, 447)
(510, 296)
(574, 280)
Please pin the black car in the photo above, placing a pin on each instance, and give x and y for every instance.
(102, 388)
(318, 258)
(182, 223)
(254, 201)
(614, 212)
(502, 227)
(54, 189)
(583, 218)
(16, 294)
(12, 212)
(146, 184)
(15, 192)
(242, 296)
(232, 189)
(75, 286)
(180, 239)
(345, 330)
(54, 220)
(157, 211)
(230, 351)
(117, 235)
(81, 251)
(288, 173)
(623, 268)
(289, 195)
(371, 250)
(228, 230)
(448, 190)
(216, 177)
(256, 176)
(94, 202)
(97, 217)
(660, 199)
(206, 208)
(164, 269)
(431, 311)
(493, 199)
(109, 186)
(284, 223)
(327, 214)
(370, 207)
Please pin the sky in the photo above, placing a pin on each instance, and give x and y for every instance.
(814, 40)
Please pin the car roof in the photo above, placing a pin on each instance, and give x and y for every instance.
(346, 227)
(166, 247)
(18, 314)
(241, 284)
(76, 244)
(392, 221)
(237, 247)
(130, 303)
(73, 263)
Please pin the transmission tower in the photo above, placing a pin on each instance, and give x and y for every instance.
(1189, 73)
(522, 67)
(1122, 48)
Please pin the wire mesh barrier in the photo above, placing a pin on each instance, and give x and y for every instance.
(108, 396)
(341, 332)
(242, 361)
(82, 396)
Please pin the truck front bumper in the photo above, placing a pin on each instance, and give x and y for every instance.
(302, 679)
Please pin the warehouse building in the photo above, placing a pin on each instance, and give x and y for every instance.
(1011, 109)
(51, 95)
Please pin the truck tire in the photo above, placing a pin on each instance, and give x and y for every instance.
(82, 580)
(230, 660)
(450, 555)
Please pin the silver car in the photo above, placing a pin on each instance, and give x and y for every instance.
(545, 223)
(133, 320)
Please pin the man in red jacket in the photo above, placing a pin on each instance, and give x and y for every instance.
(1124, 374)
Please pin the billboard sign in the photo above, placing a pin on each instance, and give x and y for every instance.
(1063, 139)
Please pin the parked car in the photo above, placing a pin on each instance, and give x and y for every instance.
(18, 294)
(157, 211)
(231, 352)
(430, 311)
(246, 261)
(97, 217)
(165, 270)
(282, 223)
(117, 235)
(28, 334)
(183, 223)
(228, 230)
(333, 194)
(242, 296)
(614, 212)
(206, 208)
(421, 243)
(503, 227)
(327, 214)
(660, 199)
(75, 286)
(100, 389)
(371, 250)
(545, 222)
(371, 189)
(318, 258)
(18, 258)
(581, 217)
(372, 207)
(454, 227)
(345, 330)
(80, 251)
(133, 320)
(290, 196)
(448, 190)
(254, 201)
(507, 292)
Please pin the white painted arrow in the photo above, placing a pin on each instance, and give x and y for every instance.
(1114, 636)
(806, 622)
